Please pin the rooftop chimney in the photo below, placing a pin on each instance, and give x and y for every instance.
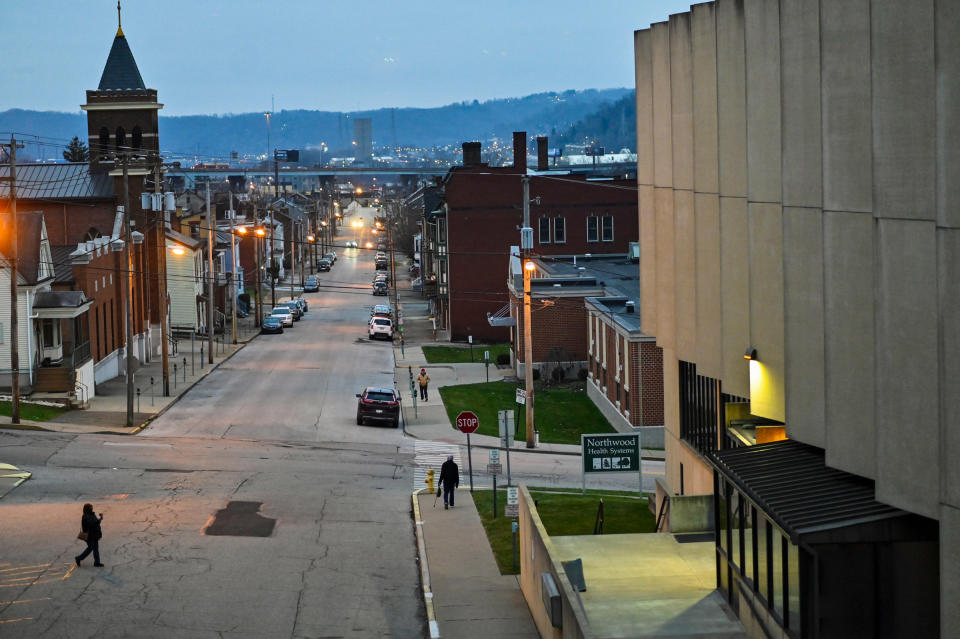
(520, 151)
(543, 158)
(471, 153)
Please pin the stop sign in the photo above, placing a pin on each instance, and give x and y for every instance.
(467, 422)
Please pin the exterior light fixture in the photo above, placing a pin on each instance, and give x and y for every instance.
(529, 265)
(242, 230)
(261, 232)
(178, 251)
(310, 238)
(750, 353)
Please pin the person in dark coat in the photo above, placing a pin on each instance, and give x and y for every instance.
(449, 479)
(90, 524)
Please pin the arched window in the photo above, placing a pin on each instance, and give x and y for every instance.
(121, 138)
(104, 142)
(137, 138)
(92, 234)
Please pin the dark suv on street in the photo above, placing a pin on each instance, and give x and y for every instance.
(377, 404)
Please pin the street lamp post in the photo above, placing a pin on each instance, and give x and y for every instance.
(528, 268)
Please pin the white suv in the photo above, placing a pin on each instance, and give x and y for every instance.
(381, 327)
(284, 315)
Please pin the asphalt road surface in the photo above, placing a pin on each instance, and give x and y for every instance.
(266, 444)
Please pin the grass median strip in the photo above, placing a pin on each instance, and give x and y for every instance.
(460, 354)
(32, 412)
(562, 414)
(563, 514)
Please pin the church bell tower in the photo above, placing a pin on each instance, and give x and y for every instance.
(122, 113)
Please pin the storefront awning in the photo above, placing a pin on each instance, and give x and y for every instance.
(793, 485)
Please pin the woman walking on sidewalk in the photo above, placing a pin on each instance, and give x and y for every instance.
(90, 524)
(423, 380)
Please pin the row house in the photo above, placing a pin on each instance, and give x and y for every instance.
(572, 213)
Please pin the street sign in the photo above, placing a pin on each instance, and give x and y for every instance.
(611, 453)
(494, 456)
(512, 509)
(506, 426)
(521, 396)
(467, 422)
(494, 469)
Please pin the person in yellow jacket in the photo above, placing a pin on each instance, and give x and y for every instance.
(423, 380)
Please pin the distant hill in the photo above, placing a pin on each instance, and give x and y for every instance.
(613, 126)
(218, 135)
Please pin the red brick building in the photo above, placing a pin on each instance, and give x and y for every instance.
(571, 214)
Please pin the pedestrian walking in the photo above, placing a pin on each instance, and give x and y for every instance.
(449, 480)
(90, 527)
(423, 380)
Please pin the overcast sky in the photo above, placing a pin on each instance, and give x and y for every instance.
(230, 56)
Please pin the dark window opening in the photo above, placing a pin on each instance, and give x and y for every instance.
(544, 230)
(104, 142)
(137, 138)
(121, 140)
(559, 230)
(607, 228)
(592, 229)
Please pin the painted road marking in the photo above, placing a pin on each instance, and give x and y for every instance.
(35, 574)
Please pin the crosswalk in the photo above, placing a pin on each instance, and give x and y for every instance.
(429, 455)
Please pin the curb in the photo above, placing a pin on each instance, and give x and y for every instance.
(424, 569)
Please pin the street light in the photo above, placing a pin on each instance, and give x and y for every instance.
(528, 268)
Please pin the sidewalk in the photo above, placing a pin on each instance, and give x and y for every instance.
(107, 409)
(466, 595)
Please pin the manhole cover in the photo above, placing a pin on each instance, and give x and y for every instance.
(241, 519)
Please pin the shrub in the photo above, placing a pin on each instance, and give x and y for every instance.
(536, 374)
(503, 359)
(582, 374)
(557, 374)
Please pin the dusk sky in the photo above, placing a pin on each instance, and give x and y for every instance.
(230, 56)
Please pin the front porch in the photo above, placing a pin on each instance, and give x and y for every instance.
(62, 329)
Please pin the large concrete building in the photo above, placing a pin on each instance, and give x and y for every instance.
(799, 200)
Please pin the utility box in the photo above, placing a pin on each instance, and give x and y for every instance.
(551, 599)
(526, 238)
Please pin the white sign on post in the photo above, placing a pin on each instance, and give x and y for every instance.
(521, 396)
(512, 509)
(494, 456)
(507, 427)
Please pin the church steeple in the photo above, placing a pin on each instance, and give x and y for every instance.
(122, 112)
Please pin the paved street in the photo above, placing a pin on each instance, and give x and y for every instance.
(271, 433)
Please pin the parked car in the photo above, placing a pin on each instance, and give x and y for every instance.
(284, 315)
(271, 324)
(332, 256)
(377, 404)
(323, 265)
(311, 285)
(381, 327)
(303, 304)
(294, 308)
(381, 310)
(380, 288)
(384, 275)
(381, 246)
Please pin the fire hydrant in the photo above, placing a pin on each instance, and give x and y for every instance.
(429, 481)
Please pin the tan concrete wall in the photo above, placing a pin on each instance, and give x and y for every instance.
(535, 559)
(825, 173)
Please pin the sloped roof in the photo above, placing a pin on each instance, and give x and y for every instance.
(60, 299)
(58, 181)
(29, 233)
(62, 263)
(120, 72)
(186, 240)
(793, 485)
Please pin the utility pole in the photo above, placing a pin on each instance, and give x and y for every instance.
(14, 306)
(233, 270)
(210, 220)
(162, 283)
(257, 234)
(300, 251)
(526, 243)
(124, 158)
(273, 282)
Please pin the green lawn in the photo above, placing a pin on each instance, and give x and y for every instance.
(461, 354)
(563, 514)
(562, 414)
(33, 412)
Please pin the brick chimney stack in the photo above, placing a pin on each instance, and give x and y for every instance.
(471, 153)
(520, 151)
(543, 157)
